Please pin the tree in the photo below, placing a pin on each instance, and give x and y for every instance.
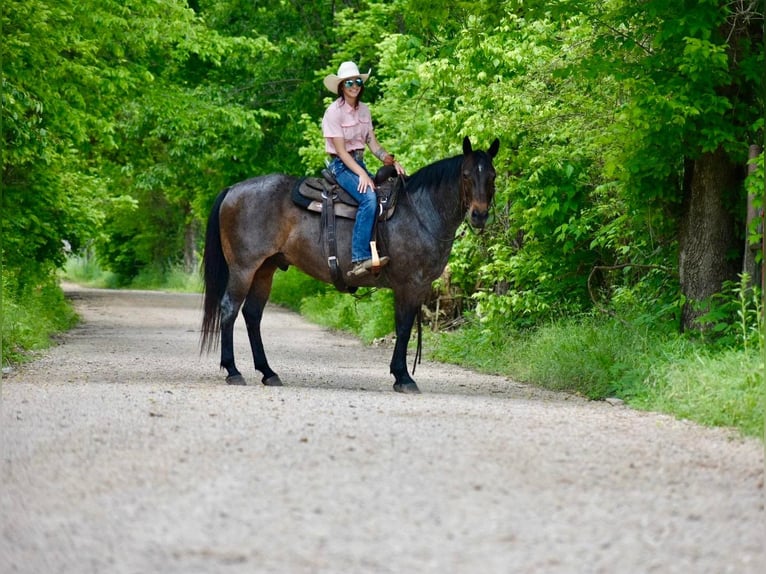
(692, 70)
(627, 125)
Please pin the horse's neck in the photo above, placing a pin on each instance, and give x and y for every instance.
(436, 211)
(447, 204)
(444, 200)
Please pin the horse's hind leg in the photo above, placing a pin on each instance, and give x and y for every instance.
(252, 311)
(230, 304)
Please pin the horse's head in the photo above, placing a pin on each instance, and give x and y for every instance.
(478, 181)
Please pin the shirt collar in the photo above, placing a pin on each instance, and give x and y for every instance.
(346, 107)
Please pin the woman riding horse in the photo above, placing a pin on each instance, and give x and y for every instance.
(347, 128)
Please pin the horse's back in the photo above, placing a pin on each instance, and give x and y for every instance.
(261, 188)
(258, 198)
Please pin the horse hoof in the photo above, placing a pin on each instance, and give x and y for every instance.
(235, 380)
(407, 388)
(272, 381)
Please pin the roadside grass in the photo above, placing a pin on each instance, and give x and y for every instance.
(86, 270)
(173, 278)
(291, 287)
(600, 358)
(31, 317)
(721, 389)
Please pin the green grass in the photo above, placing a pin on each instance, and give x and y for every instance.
(599, 357)
(292, 287)
(87, 271)
(717, 389)
(31, 316)
(172, 279)
(369, 316)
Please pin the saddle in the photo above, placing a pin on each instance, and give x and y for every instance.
(312, 192)
(324, 196)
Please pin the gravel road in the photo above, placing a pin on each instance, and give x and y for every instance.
(125, 452)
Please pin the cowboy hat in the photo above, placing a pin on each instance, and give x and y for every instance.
(346, 70)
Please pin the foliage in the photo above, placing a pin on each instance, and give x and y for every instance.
(369, 314)
(597, 105)
(292, 287)
(66, 69)
(31, 316)
(755, 185)
(734, 317)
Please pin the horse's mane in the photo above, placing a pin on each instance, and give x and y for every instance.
(435, 175)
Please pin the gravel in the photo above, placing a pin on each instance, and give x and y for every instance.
(125, 452)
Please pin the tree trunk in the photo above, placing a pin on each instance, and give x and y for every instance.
(709, 253)
(190, 244)
(749, 264)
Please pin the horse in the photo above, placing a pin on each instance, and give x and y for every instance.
(254, 228)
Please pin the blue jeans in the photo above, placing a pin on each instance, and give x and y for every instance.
(366, 214)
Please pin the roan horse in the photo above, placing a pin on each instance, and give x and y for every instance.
(254, 229)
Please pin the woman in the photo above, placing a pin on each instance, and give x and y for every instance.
(347, 128)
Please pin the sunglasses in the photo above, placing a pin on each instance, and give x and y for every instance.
(359, 82)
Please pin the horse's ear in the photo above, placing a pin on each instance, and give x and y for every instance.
(467, 146)
(492, 151)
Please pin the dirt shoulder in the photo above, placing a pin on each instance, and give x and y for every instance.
(124, 451)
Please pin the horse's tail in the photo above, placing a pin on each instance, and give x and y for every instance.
(216, 277)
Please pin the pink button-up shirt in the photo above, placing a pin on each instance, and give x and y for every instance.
(354, 125)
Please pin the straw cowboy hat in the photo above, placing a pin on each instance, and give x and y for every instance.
(346, 70)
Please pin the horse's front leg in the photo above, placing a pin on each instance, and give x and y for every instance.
(405, 317)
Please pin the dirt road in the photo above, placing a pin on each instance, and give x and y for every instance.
(125, 452)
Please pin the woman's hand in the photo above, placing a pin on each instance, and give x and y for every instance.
(389, 159)
(365, 183)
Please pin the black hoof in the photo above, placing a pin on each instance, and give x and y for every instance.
(407, 388)
(272, 381)
(235, 380)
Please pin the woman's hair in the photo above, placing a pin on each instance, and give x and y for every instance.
(343, 98)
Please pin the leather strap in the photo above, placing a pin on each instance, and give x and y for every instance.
(331, 243)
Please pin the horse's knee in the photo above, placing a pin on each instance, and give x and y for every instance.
(228, 310)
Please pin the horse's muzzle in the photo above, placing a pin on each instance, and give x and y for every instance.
(479, 217)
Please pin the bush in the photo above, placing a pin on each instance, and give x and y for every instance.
(291, 287)
(31, 315)
(369, 314)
